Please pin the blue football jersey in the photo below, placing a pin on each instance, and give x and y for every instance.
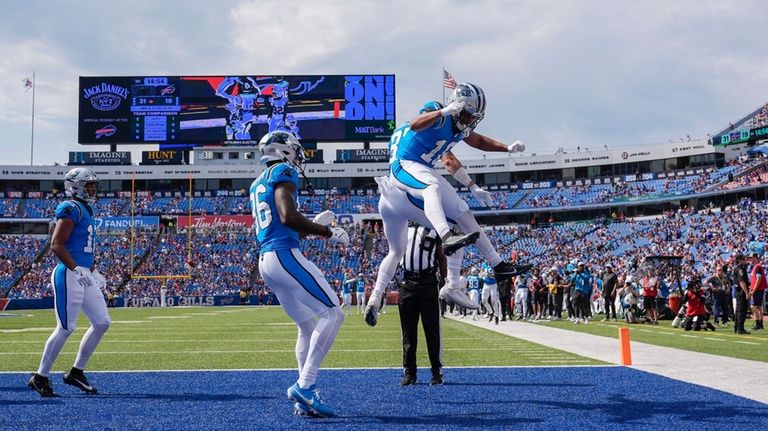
(271, 232)
(474, 282)
(346, 287)
(426, 146)
(82, 240)
(489, 280)
(361, 285)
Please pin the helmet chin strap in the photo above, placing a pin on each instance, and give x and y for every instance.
(310, 187)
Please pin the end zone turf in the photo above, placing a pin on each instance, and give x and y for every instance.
(488, 398)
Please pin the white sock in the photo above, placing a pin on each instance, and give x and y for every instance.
(88, 344)
(467, 223)
(52, 349)
(433, 209)
(302, 341)
(322, 339)
(454, 267)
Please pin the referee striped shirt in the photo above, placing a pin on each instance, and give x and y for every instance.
(421, 253)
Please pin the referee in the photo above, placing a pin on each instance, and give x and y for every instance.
(419, 297)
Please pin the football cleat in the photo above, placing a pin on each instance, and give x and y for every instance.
(77, 379)
(371, 315)
(310, 398)
(42, 386)
(300, 409)
(505, 270)
(454, 240)
(437, 379)
(408, 379)
(458, 296)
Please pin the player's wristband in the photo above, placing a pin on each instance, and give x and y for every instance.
(462, 176)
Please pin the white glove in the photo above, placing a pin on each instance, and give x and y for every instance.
(339, 235)
(516, 147)
(325, 218)
(99, 279)
(483, 196)
(453, 108)
(83, 276)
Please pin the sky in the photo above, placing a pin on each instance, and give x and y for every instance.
(562, 73)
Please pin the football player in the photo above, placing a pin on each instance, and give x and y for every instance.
(299, 285)
(360, 293)
(415, 148)
(77, 285)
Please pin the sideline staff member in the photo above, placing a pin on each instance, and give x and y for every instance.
(419, 297)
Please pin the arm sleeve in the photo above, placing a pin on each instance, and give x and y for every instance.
(430, 107)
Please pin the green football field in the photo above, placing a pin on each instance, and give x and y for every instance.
(191, 338)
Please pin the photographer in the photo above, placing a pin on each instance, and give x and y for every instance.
(696, 314)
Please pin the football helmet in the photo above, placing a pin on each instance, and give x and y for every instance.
(75, 183)
(282, 146)
(474, 107)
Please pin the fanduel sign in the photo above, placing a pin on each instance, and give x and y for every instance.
(123, 223)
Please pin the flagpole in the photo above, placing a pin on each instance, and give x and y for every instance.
(32, 142)
(442, 82)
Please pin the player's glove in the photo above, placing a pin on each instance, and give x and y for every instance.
(453, 108)
(339, 235)
(83, 276)
(371, 315)
(325, 218)
(516, 147)
(483, 196)
(99, 279)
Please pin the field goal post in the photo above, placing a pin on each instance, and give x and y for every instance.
(163, 278)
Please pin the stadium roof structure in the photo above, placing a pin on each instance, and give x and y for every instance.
(756, 118)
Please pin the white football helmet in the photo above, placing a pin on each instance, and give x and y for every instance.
(474, 100)
(281, 146)
(75, 182)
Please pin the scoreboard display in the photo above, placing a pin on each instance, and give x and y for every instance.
(235, 110)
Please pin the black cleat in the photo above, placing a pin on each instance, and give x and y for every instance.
(437, 379)
(77, 379)
(742, 332)
(408, 379)
(454, 240)
(505, 270)
(42, 386)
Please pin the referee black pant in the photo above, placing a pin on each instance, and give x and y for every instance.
(420, 300)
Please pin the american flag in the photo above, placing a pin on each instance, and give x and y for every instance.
(448, 81)
(28, 84)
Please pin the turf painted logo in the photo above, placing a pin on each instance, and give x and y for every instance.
(105, 97)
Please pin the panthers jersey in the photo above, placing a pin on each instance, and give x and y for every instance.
(425, 146)
(361, 285)
(82, 240)
(488, 280)
(346, 288)
(474, 282)
(271, 232)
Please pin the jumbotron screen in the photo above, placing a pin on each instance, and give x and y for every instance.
(235, 110)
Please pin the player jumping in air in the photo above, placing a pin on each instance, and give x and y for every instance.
(77, 285)
(299, 285)
(414, 148)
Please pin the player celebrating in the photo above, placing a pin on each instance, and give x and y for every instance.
(298, 284)
(76, 284)
(416, 146)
